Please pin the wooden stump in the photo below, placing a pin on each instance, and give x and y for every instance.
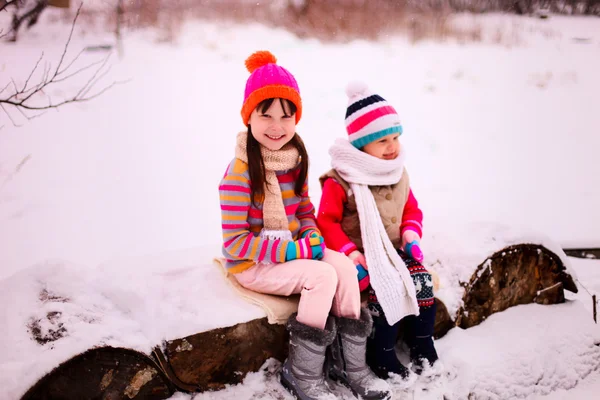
(520, 274)
(106, 373)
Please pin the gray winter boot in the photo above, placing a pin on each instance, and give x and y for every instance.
(346, 359)
(302, 373)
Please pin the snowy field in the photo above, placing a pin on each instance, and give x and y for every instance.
(113, 201)
(526, 352)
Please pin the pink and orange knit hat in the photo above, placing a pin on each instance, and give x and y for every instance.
(268, 80)
(369, 117)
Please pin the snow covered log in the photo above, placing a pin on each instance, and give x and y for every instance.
(103, 373)
(518, 274)
(224, 356)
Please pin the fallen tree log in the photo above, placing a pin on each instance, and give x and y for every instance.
(224, 356)
(519, 274)
(104, 373)
(591, 253)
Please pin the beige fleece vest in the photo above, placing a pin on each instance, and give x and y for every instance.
(390, 202)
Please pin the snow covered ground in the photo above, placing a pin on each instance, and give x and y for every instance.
(497, 133)
(526, 352)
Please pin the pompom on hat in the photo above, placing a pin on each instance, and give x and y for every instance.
(268, 80)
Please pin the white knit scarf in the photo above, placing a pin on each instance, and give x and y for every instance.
(388, 274)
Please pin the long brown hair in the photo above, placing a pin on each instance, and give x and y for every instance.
(256, 164)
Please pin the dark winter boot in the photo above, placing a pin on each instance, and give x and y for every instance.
(419, 338)
(381, 352)
(346, 359)
(302, 373)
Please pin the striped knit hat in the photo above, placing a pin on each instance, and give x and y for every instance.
(368, 117)
(268, 81)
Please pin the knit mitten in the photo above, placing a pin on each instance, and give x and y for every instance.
(414, 250)
(308, 247)
(314, 233)
(412, 246)
(361, 267)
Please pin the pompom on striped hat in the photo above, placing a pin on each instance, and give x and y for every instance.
(369, 117)
(268, 81)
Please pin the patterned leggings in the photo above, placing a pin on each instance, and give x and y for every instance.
(421, 278)
(417, 329)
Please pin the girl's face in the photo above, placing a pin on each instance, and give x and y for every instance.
(386, 148)
(274, 127)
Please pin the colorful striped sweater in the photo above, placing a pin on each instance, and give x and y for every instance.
(242, 221)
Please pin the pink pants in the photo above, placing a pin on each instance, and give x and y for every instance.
(328, 285)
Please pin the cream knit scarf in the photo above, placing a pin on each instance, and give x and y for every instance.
(389, 276)
(276, 225)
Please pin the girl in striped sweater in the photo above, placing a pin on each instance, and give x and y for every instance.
(272, 244)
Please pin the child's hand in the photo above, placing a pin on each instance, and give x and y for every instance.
(308, 247)
(313, 233)
(319, 249)
(361, 267)
(414, 251)
(358, 258)
(411, 244)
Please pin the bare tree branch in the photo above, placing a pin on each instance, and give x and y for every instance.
(30, 117)
(68, 41)
(5, 87)
(4, 4)
(33, 71)
(9, 116)
(80, 70)
(75, 59)
(14, 86)
(23, 113)
(21, 97)
(91, 82)
(59, 104)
